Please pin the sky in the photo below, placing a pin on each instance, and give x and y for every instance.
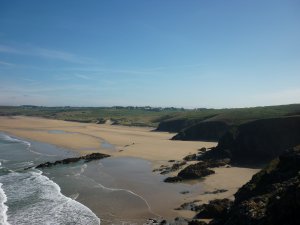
(191, 54)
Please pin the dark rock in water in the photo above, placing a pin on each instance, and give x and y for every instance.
(208, 131)
(191, 157)
(86, 158)
(177, 166)
(195, 171)
(271, 197)
(168, 169)
(173, 179)
(198, 170)
(214, 209)
(258, 141)
(94, 156)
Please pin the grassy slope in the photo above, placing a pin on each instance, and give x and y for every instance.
(124, 116)
(152, 117)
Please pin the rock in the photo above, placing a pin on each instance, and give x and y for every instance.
(86, 158)
(191, 157)
(163, 222)
(197, 222)
(215, 192)
(174, 167)
(214, 209)
(202, 150)
(205, 130)
(195, 171)
(94, 156)
(189, 206)
(259, 141)
(211, 163)
(174, 125)
(271, 197)
(173, 179)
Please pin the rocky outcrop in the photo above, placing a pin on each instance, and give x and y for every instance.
(198, 170)
(258, 141)
(175, 125)
(195, 171)
(217, 208)
(208, 131)
(271, 197)
(168, 169)
(86, 158)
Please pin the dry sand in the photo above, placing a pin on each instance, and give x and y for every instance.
(83, 138)
(128, 141)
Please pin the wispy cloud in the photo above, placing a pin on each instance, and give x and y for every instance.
(46, 53)
(8, 49)
(84, 77)
(61, 55)
(6, 63)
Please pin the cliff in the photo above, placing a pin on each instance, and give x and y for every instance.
(271, 197)
(175, 125)
(207, 131)
(258, 141)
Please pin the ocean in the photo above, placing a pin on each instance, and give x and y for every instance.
(114, 190)
(28, 196)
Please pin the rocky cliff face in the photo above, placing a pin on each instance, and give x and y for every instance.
(272, 197)
(208, 131)
(260, 140)
(175, 125)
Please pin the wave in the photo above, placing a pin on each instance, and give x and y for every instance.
(3, 207)
(124, 190)
(7, 138)
(35, 200)
(10, 139)
(82, 169)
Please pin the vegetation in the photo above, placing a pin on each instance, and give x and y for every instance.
(177, 118)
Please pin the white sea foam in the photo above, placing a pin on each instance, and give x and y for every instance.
(15, 140)
(3, 207)
(26, 143)
(82, 169)
(99, 185)
(38, 200)
(75, 196)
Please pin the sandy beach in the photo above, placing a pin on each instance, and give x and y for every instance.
(121, 141)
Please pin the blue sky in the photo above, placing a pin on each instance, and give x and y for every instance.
(159, 53)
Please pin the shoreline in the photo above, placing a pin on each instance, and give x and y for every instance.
(140, 143)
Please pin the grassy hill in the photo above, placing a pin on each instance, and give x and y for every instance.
(211, 124)
(165, 119)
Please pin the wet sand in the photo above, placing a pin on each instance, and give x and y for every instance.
(85, 138)
(136, 142)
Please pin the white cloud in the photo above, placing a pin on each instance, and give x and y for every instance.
(46, 53)
(6, 63)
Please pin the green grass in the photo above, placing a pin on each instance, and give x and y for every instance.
(146, 116)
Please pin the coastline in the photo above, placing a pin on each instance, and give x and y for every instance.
(132, 142)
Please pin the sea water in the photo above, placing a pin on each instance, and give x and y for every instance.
(119, 190)
(30, 197)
